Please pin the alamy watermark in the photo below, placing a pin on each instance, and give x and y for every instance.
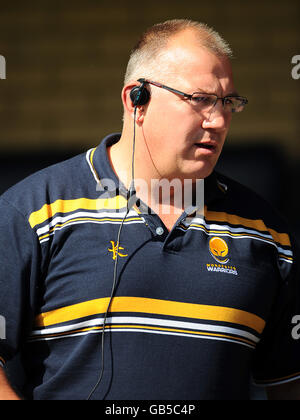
(2, 328)
(296, 68)
(162, 196)
(296, 328)
(2, 67)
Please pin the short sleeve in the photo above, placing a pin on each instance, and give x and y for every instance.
(19, 262)
(277, 356)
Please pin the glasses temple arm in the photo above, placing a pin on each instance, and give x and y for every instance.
(186, 95)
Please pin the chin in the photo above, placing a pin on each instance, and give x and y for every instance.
(201, 172)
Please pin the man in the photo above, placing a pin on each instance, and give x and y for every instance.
(109, 300)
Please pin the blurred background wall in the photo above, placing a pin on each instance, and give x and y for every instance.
(65, 62)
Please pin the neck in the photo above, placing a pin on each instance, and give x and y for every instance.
(164, 196)
(121, 160)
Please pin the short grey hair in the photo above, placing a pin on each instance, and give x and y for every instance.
(143, 61)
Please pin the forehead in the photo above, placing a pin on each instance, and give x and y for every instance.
(193, 66)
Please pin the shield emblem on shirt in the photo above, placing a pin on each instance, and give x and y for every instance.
(219, 249)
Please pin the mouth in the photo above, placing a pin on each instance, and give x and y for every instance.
(206, 146)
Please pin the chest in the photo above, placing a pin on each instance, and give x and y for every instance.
(182, 265)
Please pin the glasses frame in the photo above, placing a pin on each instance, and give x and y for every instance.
(244, 100)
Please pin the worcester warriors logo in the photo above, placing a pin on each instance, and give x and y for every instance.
(219, 250)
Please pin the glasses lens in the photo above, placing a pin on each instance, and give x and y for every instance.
(234, 103)
(204, 101)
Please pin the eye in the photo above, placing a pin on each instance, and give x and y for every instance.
(233, 103)
(230, 101)
(203, 99)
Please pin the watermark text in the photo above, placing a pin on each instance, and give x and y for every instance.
(2, 67)
(2, 328)
(296, 328)
(161, 195)
(296, 68)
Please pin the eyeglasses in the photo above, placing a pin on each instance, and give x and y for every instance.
(206, 101)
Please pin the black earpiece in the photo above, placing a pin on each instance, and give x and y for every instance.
(140, 95)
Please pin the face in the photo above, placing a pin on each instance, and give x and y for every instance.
(183, 142)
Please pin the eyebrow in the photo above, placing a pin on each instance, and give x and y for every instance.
(234, 93)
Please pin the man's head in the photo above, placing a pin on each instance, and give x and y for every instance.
(180, 141)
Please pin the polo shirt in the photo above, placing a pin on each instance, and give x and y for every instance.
(196, 313)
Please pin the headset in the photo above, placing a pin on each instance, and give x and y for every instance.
(139, 96)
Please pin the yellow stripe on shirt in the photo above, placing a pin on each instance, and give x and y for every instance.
(151, 306)
(257, 224)
(68, 206)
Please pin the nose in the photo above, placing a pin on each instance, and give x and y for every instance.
(217, 117)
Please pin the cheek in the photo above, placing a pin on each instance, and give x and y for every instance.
(164, 124)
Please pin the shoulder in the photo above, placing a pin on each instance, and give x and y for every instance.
(67, 179)
(245, 202)
(244, 211)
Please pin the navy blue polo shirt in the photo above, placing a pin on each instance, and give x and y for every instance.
(197, 310)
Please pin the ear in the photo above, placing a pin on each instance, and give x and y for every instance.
(128, 105)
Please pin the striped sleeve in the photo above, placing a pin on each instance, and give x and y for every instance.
(277, 358)
(19, 256)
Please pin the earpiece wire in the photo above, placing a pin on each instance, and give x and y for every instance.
(115, 266)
